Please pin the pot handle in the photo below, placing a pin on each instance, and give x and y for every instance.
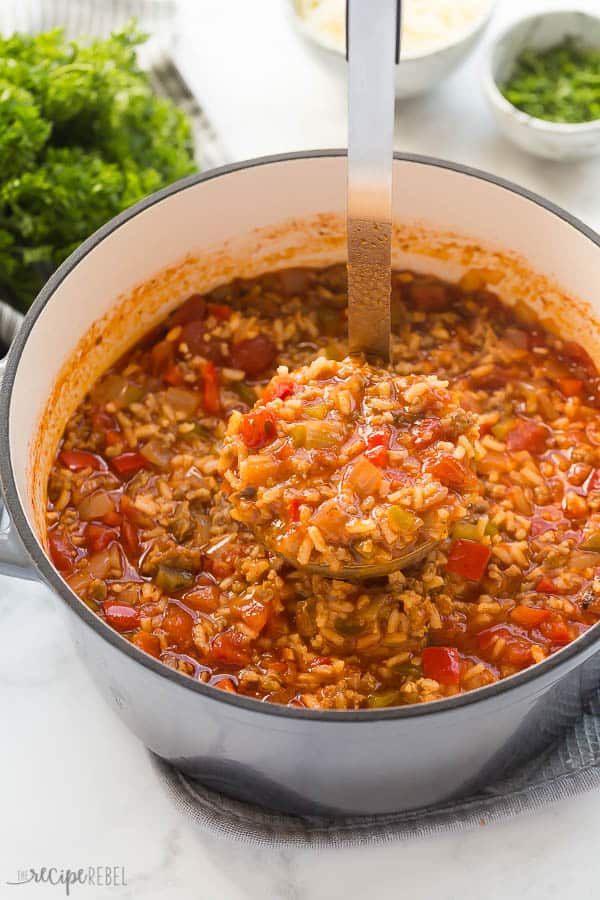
(13, 557)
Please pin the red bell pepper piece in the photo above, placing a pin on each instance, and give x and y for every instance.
(468, 559)
(62, 550)
(555, 629)
(377, 448)
(528, 616)
(442, 664)
(98, 537)
(258, 429)
(128, 463)
(130, 539)
(120, 616)
(76, 460)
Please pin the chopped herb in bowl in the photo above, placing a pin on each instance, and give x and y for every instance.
(560, 84)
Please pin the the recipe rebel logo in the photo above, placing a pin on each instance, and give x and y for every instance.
(67, 879)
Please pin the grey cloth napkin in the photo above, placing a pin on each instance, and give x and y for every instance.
(570, 765)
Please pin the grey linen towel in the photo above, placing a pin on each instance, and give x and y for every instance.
(570, 765)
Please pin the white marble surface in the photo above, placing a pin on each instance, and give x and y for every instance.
(76, 789)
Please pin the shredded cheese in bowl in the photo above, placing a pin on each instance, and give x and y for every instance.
(427, 25)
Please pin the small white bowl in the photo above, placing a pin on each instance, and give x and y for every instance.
(417, 72)
(550, 140)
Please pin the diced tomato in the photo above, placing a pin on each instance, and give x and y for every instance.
(225, 684)
(178, 625)
(280, 388)
(442, 664)
(173, 375)
(192, 310)
(121, 616)
(254, 355)
(130, 539)
(231, 648)
(62, 550)
(528, 616)
(449, 471)
(203, 598)
(223, 562)
(147, 642)
(255, 615)
(76, 460)
(527, 435)
(112, 437)
(377, 448)
(546, 586)
(211, 395)
(128, 463)
(294, 509)
(220, 311)
(516, 651)
(468, 559)
(570, 387)
(162, 356)
(426, 432)
(258, 429)
(98, 537)
(555, 629)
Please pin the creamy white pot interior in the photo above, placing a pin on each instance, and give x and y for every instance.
(269, 216)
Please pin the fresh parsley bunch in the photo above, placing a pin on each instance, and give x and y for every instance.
(82, 137)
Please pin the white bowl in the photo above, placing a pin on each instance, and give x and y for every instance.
(417, 72)
(550, 140)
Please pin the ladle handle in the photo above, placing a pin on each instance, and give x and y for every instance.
(372, 43)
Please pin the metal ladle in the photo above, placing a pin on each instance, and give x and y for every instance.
(373, 45)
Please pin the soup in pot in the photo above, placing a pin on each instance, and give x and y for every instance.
(143, 526)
